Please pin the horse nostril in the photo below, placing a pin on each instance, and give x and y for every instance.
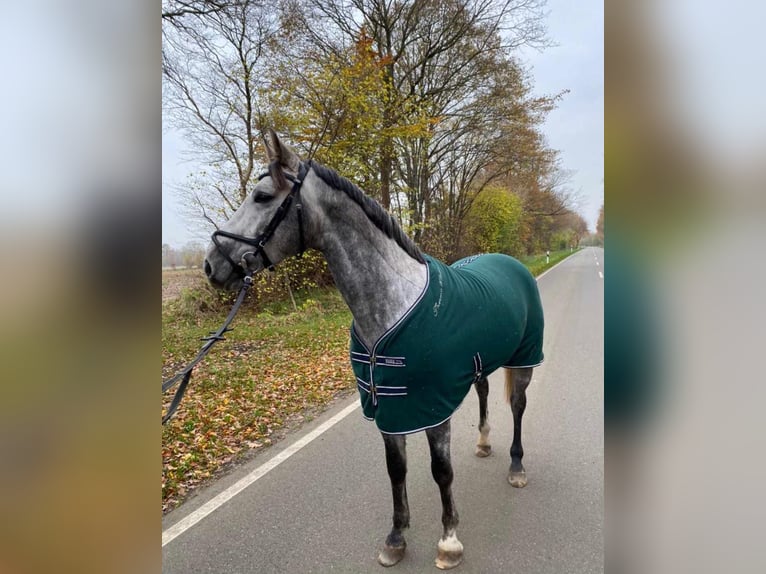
(208, 269)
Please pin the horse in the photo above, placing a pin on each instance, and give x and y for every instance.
(418, 342)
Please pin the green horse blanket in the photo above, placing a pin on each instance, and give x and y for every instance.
(475, 316)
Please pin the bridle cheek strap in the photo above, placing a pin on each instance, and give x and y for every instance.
(260, 241)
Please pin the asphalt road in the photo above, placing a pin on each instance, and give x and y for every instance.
(327, 508)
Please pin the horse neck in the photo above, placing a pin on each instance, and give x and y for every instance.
(378, 280)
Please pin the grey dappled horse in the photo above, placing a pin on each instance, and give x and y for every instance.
(383, 277)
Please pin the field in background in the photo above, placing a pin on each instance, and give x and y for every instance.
(174, 281)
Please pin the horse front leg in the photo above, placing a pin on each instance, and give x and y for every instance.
(396, 462)
(450, 548)
(519, 379)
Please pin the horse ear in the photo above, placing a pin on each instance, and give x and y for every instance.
(270, 153)
(283, 153)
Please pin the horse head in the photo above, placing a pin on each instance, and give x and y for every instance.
(266, 228)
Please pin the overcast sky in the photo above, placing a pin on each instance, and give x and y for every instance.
(575, 128)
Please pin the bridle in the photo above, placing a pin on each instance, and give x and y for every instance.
(241, 269)
(259, 241)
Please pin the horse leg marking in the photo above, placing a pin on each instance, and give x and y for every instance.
(517, 476)
(396, 463)
(483, 447)
(450, 549)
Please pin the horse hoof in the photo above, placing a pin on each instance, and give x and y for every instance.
(450, 553)
(448, 563)
(390, 555)
(483, 450)
(517, 479)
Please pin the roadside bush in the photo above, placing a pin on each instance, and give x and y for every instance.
(493, 223)
(298, 275)
(308, 272)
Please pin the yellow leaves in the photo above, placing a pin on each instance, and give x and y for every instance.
(345, 108)
(493, 220)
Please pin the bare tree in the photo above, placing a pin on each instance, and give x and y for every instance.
(451, 61)
(211, 67)
(180, 12)
(432, 48)
(447, 65)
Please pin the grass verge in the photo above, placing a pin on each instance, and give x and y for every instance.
(537, 263)
(272, 369)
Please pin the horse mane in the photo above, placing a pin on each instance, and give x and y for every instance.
(374, 211)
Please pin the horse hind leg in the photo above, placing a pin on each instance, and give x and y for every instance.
(483, 448)
(396, 462)
(516, 383)
(450, 549)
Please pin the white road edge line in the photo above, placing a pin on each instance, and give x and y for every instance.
(217, 501)
(211, 505)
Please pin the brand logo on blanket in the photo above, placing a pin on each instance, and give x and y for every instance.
(382, 361)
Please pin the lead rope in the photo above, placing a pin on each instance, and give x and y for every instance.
(185, 375)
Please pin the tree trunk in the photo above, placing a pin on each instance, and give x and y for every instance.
(386, 167)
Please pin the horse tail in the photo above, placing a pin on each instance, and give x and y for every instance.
(508, 384)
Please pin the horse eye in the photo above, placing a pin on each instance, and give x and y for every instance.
(261, 197)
